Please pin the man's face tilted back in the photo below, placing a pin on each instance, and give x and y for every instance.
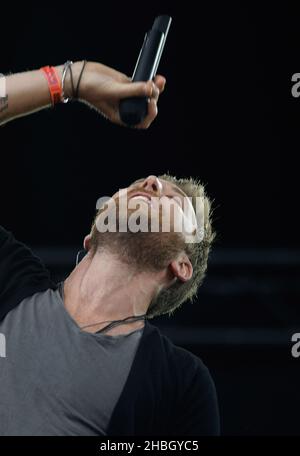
(174, 208)
(163, 207)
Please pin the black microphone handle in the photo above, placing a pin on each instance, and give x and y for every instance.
(133, 110)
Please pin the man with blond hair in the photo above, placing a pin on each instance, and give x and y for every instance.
(81, 357)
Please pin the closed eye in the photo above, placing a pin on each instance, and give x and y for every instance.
(175, 198)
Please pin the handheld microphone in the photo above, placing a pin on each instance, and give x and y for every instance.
(133, 110)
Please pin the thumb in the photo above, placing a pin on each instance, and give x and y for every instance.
(134, 89)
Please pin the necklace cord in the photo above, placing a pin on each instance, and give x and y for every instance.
(116, 322)
(112, 323)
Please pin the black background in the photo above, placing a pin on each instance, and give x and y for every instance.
(227, 116)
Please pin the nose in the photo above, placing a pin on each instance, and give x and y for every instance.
(152, 184)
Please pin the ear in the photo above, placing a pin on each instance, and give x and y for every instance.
(87, 242)
(182, 268)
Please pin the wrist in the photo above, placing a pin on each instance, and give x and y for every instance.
(76, 68)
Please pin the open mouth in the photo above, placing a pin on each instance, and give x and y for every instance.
(143, 196)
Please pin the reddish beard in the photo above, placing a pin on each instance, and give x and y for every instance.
(144, 250)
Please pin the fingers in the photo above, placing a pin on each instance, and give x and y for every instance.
(134, 89)
(152, 113)
(160, 82)
(150, 89)
(158, 86)
(155, 92)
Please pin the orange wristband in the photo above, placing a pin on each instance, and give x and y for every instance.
(53, 83)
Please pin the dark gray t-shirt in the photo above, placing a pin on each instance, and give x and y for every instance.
(57, 379)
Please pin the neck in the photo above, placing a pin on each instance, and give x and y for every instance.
(102, 289)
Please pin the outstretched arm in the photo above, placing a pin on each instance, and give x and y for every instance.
(101, 88)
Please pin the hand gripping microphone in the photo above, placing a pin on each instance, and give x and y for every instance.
(133, 110)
